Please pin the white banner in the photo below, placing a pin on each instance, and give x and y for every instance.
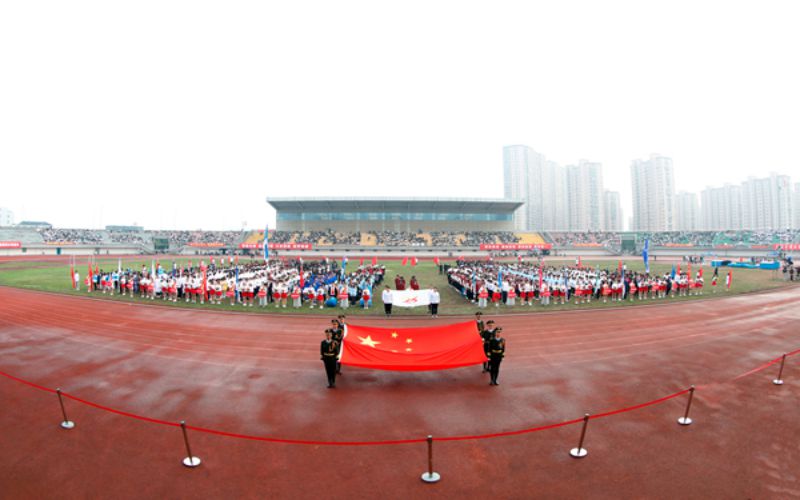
(411, 298)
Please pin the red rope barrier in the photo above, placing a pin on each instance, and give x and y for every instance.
(642, 405)
(385, 442)
(119, 412)
(37, 386)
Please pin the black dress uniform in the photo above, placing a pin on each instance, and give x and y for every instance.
(498, 350)
(338, 336)
(328, 350)
(487, 336)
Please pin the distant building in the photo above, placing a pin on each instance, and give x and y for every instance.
(653, 189)
(796, 201)
(6, 217)
(613, 211)
(542, 186)
(687, 212)
(767, 203)
(721, 208)
(586, 197)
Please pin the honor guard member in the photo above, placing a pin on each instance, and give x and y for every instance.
(479, 322)
(327, 352)
(487, 336)
(337, 329)
(498, 351)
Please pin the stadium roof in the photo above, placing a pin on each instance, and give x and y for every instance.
(383, 204)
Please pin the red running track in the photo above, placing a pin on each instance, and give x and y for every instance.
(261, 376)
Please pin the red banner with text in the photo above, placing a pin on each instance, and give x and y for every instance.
(516, 246)
(277, 246)
(10, 244)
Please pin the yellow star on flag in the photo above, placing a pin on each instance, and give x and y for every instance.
(394, 335)
(408, 341)
(408, 349)
(368, 341)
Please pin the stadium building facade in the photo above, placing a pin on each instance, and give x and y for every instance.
(394, 214)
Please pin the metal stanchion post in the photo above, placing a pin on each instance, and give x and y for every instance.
(66, 423)
(580, 451)
(430, 476)
(191, 460)
(685, 420)
(779, 380)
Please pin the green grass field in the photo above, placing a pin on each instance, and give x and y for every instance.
(54, 277)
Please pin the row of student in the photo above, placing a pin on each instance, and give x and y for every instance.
(251, 284)
(478, 282)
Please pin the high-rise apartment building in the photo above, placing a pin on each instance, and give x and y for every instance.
(653, 186)
(687, 212)
(6, 217)
(541, 183)
(721, 208)
(796, 202)
(516, 167)
(585, 196)
(613, 211)
(767, 203)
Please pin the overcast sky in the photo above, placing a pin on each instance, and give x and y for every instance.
(189, 114)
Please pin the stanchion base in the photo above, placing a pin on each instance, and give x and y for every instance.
(777, 381)
(67, 424)
(431, 477)
(685, 421)
(191, 461)
(578, 452)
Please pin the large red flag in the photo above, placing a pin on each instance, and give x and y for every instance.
(413, 349)
(72, 271)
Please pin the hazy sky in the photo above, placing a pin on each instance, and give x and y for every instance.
(189, 114)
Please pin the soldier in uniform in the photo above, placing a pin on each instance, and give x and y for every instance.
(337, 328)
(327, 353)
(479, 322)
(487, 334)
(498, 351)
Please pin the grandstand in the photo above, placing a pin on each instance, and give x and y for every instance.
(411, 215)
(48, 240)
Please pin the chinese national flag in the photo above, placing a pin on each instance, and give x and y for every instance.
(413, 349)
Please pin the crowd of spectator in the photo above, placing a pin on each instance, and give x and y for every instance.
(749, 238)
(399, 239)
(130, 237)
(608, 240)
(694, 238)
(477, 238)
(183, 238)
(598, 238)
(77, 236)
